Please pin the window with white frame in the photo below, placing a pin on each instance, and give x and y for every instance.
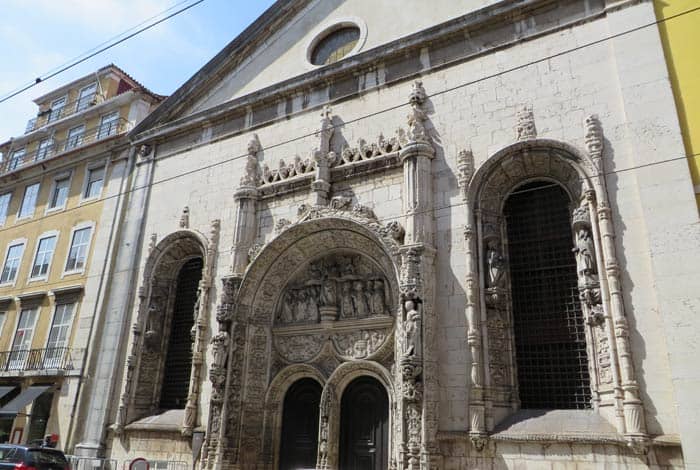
(4, 206)
(16, 158)
(12, 261)
(44, 254)
(59, 334)
(26, 209)
(56, 109)
(86, 97)
(75, 137)
(77, 255)
(44, 149)
(108, 125)
(93, 185)
(59, 192)
(22, 341)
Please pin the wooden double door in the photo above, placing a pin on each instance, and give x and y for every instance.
(364, 426)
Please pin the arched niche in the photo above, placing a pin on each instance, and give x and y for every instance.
(281, 265)
(152, 327)
(494, 387)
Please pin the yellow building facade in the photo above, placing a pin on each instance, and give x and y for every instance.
(61, 186)
(680, 35)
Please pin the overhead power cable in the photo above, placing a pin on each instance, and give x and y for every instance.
(384, 110)
(98, 50)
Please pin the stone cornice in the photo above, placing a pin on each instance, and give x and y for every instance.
(400, 60)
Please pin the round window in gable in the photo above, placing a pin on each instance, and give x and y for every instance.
(335, 45)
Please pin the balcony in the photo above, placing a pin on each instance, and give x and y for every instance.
(58, 147)
(21, 361)
(72, 107)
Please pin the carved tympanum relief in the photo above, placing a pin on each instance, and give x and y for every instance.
(342, 297)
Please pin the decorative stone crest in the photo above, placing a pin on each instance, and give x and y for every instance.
(299, 348)
(525, 128)
(360, 344)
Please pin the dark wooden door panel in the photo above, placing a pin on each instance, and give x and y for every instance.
(364, 433)
(299, 440)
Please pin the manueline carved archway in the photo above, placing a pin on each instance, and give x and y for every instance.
(338, 273)
(494, 385)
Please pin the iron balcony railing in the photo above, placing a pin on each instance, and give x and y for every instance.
(57, 147)
(54, 114)
(38, 359)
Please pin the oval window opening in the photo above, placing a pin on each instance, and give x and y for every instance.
(335, 45)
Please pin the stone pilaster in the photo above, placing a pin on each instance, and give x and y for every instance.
(418, 406)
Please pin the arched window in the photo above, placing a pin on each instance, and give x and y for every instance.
(548, 324)
(299, 440)
(178, 359)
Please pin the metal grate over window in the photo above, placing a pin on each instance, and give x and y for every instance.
(178, 361)
(549, 330)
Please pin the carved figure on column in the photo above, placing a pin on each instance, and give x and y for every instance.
(495, 264)
(418, 116)
(328, 293)
(251, 177)
(585, 254)
(412, 331)
(219, 345)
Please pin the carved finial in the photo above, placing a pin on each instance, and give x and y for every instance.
(326, 131)
(465, 168)
(152, 243)
(417, 116)
(185, 218)
(214, 230)
(251, 177)
(525, 129)
(594, 138)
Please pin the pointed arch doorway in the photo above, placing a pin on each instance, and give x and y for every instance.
(364, 426)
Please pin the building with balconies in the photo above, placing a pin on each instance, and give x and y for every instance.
(61, 189)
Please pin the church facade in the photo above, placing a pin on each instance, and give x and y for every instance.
(461, 235)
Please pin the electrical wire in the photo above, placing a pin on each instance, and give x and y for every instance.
(381, 111)
(82, 58)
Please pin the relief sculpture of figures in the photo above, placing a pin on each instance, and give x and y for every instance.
(412, 330)
(335, 287)
(347, 310)
(585, 255)
(378, 305)
(359, 299)
(495, 264)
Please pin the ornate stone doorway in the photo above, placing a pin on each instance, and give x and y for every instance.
(364, 426)
(299, 441)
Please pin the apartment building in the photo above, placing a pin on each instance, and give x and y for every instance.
(61, 186)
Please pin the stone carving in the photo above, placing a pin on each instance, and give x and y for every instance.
(412, 330)
(594, 139)
(284, 171)
(495, 264)
(145, 151)
(364, 151)
(281, 224)
(328, 401)
(251, 177)
(584, 248)
(394, 230)
(360, 344)
(417, 117)
(525, 128)
(465, 169)
(336, 286)
(299, 348)
(254, 251)
(185, 218)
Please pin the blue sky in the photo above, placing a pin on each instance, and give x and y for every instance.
(38, 36)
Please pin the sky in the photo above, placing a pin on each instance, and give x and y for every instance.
(38, 36)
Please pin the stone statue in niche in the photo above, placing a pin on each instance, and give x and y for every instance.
(219, 347)
(151, 338)
(359, 299)
(346, 307)
(412, 330)
(495, 264)
(585, 255)
(338, 286)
